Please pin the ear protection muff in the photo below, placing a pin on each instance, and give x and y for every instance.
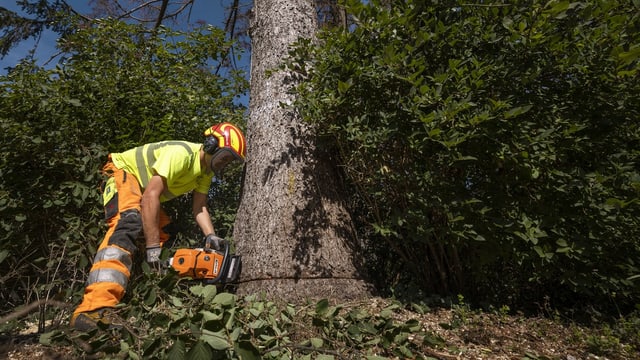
(210, 145)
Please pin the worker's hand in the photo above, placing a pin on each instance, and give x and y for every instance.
(153, 254)
(214, 242)
(153, 259)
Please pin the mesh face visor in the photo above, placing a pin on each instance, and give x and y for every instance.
(221, 158)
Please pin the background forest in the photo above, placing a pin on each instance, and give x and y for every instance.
(491, 152)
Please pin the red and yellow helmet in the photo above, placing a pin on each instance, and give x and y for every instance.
(225, 136)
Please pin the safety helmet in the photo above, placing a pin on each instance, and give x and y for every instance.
(225, 136)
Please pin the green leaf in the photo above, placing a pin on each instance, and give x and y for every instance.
(3, 255)
(325, 357)
(368, 327)
(176, 301)
(465, 158)
(257, 324)
(322, 306)
(231, 317)
(200, 351)
(386, 314)
(217, 340)
(177, 351)
(75, 102)
(224, 299)
(151, 345)
(630, 56)
(516, 111)
(559, 8)
(51, 337)
(406, 352)
(344, 86)
(151, 297)
(197, 289)
(209, 316)
(507, 22)
(209, 292)
(316, 342)
(247, 351)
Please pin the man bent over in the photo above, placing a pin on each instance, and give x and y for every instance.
(139, 180)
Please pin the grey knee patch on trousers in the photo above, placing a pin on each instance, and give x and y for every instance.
(127, 230)
(114, 253)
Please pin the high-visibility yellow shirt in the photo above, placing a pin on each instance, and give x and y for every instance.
(176, 161)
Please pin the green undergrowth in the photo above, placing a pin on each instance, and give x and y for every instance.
(169, 318)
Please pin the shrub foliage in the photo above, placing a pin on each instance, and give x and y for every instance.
(493, 147)
(117, 87)
(170, 318)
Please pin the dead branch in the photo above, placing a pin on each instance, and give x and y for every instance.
(18, 313)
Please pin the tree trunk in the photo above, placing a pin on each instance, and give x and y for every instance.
(292, 229)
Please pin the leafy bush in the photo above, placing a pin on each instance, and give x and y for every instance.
(117, 87)
(493, 148)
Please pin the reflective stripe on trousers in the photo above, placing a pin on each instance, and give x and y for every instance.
(108, 265)
(111, 269)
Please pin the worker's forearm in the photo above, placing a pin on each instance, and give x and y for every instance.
(204, 222)
(150, 220)
(201, 213)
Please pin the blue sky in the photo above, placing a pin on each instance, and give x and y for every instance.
(210, 11)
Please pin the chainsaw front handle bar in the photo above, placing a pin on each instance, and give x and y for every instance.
(212, 241)
(225, 260)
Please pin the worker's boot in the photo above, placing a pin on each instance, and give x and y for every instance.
(102, 318)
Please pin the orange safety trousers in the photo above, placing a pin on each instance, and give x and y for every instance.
(112, 264)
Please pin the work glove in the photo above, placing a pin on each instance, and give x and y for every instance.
(153, 259)
(214, 242)
(153, 254)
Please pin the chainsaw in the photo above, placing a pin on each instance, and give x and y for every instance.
(206, 264)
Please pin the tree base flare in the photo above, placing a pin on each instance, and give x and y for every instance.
(301, 290)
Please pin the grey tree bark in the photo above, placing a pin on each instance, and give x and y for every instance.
(293, 231)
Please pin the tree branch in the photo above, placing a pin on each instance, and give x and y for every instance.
(30, 308)
(163, 10)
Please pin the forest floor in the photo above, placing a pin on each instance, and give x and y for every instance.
(457, 333)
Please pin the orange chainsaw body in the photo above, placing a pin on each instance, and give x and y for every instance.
(197, 263)
(208, 265)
